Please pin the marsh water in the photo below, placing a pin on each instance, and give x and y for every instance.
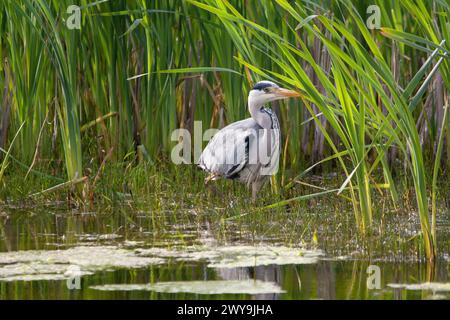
(129, 253)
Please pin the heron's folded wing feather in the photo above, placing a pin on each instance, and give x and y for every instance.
(227, 152)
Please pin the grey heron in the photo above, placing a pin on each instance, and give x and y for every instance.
(248, 150)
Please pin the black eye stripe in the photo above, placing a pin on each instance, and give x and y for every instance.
(262, 86)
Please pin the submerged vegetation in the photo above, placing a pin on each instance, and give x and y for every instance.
(93, 108)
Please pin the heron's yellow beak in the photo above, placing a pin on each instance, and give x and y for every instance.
(285, 93)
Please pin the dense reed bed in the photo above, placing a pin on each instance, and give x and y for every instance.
(374, 104)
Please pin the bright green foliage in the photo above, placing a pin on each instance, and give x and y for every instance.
(372, 100)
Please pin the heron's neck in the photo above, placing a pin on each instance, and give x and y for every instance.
(261, 118)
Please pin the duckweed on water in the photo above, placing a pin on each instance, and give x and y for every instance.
(199, 287)
(55, 264)
(242, 256)
(431, 286)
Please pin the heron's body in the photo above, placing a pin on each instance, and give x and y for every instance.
(248, 150)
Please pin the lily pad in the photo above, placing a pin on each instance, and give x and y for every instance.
(199, 287)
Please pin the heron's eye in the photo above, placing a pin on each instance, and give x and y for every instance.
(266, 90)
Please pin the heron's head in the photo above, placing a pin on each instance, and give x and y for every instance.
(267, 91)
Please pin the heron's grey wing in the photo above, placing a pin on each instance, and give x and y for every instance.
(227, 152)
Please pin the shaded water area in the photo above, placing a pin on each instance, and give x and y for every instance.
(130, 253)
